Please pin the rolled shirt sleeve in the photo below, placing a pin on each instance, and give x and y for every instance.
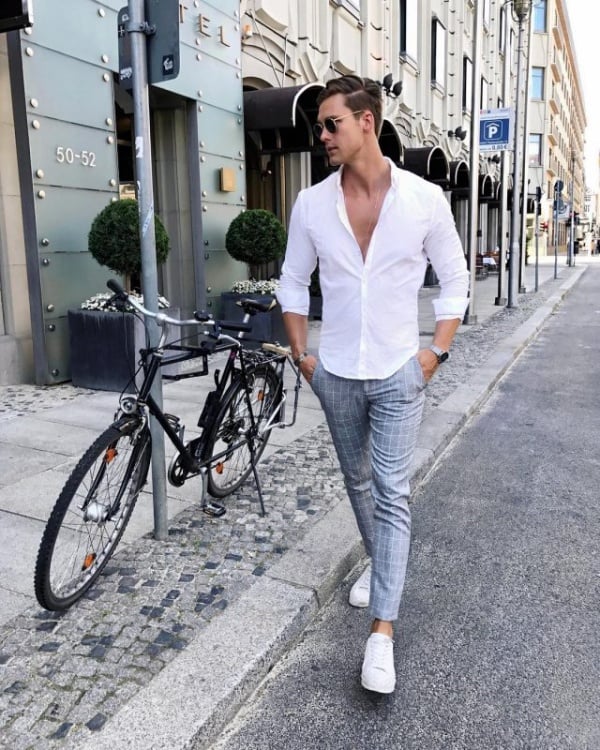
(300, 261)
(444, 249)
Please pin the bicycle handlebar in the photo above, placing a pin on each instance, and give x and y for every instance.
(200, 317)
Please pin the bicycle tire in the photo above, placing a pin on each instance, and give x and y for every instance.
(232, 422)
(91, 513)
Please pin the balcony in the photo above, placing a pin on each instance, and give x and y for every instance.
(554, 106)
(557, 37)
(553, 139)
(555, 72)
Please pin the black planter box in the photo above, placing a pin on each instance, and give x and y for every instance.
(104, 348)
(265, 326)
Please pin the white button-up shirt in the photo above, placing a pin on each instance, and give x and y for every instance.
(370, 307)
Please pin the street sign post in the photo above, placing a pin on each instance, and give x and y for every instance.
(496, 129)
(15, 14)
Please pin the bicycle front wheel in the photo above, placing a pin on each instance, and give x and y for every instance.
(230, 437)
(91, 513)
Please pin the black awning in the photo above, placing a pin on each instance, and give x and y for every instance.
(429, 162)
(459, 175)
(282, 118)
(487, 188)
(390, 143)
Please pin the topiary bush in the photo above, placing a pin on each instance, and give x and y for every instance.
(114, 239)
(255, 237)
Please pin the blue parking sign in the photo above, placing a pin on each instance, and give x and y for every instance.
(496, 129)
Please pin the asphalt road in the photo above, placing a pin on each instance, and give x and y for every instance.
(498, 639)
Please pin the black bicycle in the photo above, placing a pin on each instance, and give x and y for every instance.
(96, 503)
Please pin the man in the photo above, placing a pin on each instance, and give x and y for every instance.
(372, 227)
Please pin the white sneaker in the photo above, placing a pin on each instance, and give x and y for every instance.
(360, 592)
(378, 673)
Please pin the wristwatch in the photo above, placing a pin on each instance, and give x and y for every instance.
(441, 355)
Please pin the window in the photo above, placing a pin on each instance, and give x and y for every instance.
(537, 83)
(535, 150)
(409, 29)
(352, 5)
(486, 13)
(540, 12)
(438, 53)
(467, 84)
(485, 94)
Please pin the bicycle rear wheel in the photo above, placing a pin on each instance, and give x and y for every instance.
(91, 513)
(230, 434)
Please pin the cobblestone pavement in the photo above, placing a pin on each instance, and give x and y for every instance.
(63, 676)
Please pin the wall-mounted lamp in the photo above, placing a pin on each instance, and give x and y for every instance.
(494, 159)
(246, 32)
(391, 89)
(458, 132)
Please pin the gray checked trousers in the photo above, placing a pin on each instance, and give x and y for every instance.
(374, 425)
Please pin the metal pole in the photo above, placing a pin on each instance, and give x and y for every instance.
(137, 27)
(555, 228)
(504, 170)
(538, 204)
(524, 177)
(470, 317)
(570, 254)
(513, 268)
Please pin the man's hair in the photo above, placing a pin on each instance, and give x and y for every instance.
(359, 93)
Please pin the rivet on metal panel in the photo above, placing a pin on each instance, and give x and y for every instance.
(203, 158)
(209, 303)
(114, 200)
(101, 12)
(34, 103)
(243, 198)
(236, 27)
(29, 51)
(28, 31)
(51, 327)
(50, 307)
(202, 144)
(39, 173)
(196, 3)
(204, 193)
(200, 108)
(41, 194)
(106, 78)
(55, 372)
(206, 242)
(209, 289)
(241, 166)
(45, 261)
(198, 41)
(198, 57)
(238, 75)
(104, 58)
(206, 256)
(241, 153)
(200, 95)
(239, 120)
(35, 124)
(237, 61)
(108, 121)
(110, 139)
(112, 182)
(44, 242)
(235, 13)
(239, 107)
(205, 208)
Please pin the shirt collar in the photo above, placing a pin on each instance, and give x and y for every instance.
(394, 172)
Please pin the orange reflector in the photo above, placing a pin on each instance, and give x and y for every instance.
(88, 561)
(110, 454)
(261, 395)
(219, 468)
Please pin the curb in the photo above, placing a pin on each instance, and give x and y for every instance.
(196, 695)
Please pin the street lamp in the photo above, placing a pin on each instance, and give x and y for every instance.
(520, 10)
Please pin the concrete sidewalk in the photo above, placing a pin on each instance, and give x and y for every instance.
(127, 669)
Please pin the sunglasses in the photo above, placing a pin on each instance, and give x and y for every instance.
(330, 123)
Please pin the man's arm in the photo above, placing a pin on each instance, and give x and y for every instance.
(296, 328)
(442, 337)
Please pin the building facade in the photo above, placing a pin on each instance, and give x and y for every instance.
(234, 131)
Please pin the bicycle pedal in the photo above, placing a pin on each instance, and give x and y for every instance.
(215, 510)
